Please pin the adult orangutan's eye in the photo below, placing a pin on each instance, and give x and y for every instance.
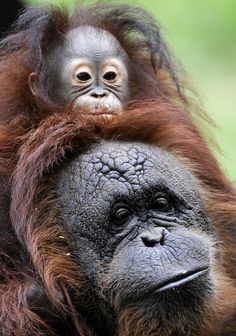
(121, 215)
(161, 204)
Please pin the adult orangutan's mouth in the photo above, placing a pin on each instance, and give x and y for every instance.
(181, 279)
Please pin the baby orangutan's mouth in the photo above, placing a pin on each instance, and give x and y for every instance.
(103, 113)
(106, 107)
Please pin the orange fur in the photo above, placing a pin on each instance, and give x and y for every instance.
(36, 137)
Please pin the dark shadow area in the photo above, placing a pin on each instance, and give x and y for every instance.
(9, 11)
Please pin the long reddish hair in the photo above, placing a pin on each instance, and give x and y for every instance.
(35, 216)
(37, 137)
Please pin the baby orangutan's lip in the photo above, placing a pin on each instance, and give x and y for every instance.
(103, 116)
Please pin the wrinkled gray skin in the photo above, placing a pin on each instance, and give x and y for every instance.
(95, 48)
(135, 219)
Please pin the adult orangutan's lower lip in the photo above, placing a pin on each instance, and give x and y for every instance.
(182, 279)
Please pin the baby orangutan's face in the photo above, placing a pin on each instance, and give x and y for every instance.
(89, 72)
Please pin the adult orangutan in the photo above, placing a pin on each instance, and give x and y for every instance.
(49, 119)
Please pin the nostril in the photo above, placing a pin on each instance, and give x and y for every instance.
(151, 239)
(149, 242)
(99, 94)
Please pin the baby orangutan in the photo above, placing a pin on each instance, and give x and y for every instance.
(89, 70)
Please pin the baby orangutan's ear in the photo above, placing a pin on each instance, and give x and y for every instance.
(33, 83)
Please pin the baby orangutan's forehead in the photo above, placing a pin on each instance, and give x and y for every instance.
(88, 41)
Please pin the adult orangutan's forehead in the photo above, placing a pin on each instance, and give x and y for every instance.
(133, 166)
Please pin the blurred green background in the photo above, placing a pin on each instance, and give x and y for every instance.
(202, 35)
